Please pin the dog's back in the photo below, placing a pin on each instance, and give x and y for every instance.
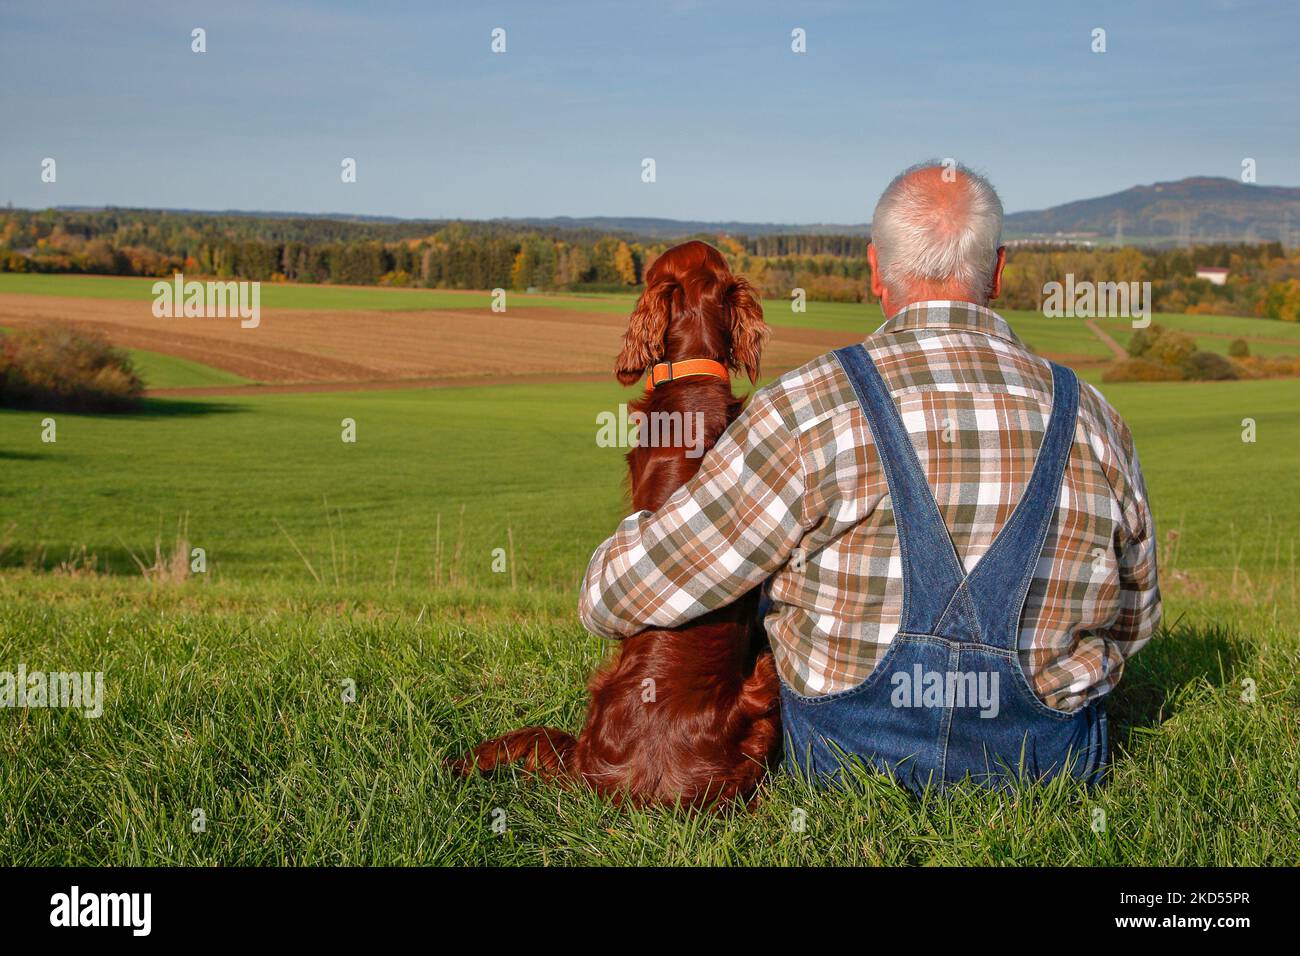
(685, 716)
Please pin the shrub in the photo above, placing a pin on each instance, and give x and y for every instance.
(1208, 367)
(59, 368)
(1142, 370)
(1171, 347)
(1239, 348)
(1160, 344)
(1143, 339)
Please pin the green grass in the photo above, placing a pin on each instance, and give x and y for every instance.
(520, 461)
(1232, 503)
(1214, 333)
(1231, 325)
(168, 371)
(230, 701)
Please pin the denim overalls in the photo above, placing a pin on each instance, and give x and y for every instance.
(955, 657)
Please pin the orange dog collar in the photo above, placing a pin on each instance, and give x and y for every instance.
(671, 371)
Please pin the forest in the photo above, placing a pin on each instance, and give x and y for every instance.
(1263, 279)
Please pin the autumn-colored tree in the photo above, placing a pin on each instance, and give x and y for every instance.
(1283, 301)
(731, 248)
(625, 264)
(521, 273)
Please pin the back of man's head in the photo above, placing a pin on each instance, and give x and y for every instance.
(936, 231)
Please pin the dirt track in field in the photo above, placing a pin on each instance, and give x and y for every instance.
(295, 350)
(1107, 339)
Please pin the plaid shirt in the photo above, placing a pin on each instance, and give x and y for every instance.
(793, 494)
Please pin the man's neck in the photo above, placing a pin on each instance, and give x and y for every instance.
(892, 308)
(930, 292)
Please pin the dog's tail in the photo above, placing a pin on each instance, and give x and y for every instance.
(544, 751)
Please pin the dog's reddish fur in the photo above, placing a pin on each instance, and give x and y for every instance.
(713, 724)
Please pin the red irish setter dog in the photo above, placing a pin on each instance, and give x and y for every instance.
(687, 716)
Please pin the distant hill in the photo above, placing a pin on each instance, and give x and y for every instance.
(1199, 209)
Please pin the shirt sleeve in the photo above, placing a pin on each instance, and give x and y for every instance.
(1139, 597)
(717, 537)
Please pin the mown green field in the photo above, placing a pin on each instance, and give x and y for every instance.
(1214, 333)
(521, 458)
(372, 562)
(169, 371)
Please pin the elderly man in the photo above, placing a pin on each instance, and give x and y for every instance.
(955, 535)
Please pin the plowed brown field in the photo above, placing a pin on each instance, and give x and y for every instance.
(302, 350)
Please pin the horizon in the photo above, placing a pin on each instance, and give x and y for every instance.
(742, 129)
(345, 216)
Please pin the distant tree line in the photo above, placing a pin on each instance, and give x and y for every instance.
(1264, 279)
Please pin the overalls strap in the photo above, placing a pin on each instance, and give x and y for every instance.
(939, 598)
(1001, 579)
(931, 572)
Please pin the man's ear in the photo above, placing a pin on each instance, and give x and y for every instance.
(643, 342)
(877, 284)
(995, 289)
(749, 332)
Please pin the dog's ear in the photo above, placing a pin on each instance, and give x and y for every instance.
(749, 332)
(643, 342)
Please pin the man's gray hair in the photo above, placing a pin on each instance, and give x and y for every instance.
(921, 232)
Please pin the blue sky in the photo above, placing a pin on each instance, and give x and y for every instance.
(739, 126)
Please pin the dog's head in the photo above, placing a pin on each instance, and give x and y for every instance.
(693, 307)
